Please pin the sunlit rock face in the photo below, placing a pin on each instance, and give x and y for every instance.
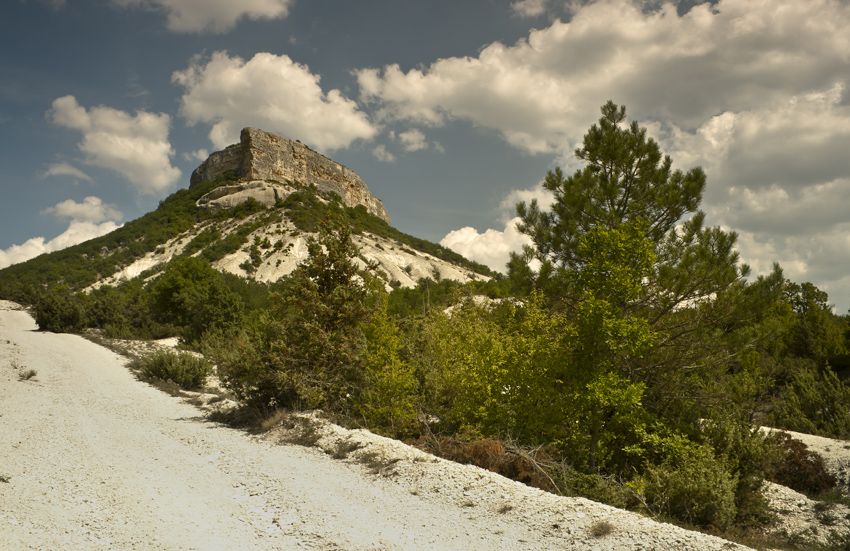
(270, 157)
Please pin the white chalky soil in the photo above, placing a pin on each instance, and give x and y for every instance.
(94, 459)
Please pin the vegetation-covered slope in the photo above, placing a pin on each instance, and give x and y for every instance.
(633, 367)
(82, 265)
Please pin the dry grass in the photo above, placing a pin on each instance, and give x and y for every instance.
(377, 463)
(523, 465)
(601, 528)
(27, 375)
(344, 448)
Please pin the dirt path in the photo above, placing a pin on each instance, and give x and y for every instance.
(94, 459)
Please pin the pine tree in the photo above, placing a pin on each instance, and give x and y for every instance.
(694, 293)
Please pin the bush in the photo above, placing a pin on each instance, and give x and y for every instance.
(815, 401)
(59, 314)
(186, 370)
(308, 351)
(696, 488)
(798, 468)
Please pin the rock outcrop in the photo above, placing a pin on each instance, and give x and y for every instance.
(265, 156)
(229, 197)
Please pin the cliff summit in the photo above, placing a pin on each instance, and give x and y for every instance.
(266, 156)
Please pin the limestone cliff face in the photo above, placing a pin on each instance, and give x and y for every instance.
(266, 156)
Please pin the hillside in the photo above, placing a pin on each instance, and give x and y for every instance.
(91, 458)
(633, 365)
(248, 239)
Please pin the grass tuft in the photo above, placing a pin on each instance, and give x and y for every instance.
(601, 528)
(27, 375)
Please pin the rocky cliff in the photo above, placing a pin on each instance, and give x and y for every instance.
(265, 156)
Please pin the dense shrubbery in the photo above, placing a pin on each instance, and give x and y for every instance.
(326, 343)
(59, 312)
(636, 363)
(696, 488)
(183, 369)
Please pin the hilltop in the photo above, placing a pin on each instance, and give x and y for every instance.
(252, 216)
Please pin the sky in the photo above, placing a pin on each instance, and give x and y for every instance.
(451, 111)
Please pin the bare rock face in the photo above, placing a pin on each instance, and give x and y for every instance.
(265, 156)
(229, 197)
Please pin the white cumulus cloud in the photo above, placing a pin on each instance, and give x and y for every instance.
(491, 248)
(270, 92)
(92, 209)
(198, 155)
(755, 92)
(89, 219)
(413, 140)
(218, 16)
(541, 93)
(135, 146)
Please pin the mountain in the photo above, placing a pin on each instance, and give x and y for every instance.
(249, 210)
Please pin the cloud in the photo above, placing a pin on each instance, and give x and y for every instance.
(92, 209)
(529, 8)
(136, 147)
(65, 169)
(413, 140)
(757, 93)
(77, 232)
(199, 155)
(380, 152)
(541, 93)
(89, 219)
(543, 196)
(217, 16)
(269, 92)
(491, 248)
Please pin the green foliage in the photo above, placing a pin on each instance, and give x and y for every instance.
(185, 370)
(814, 331)
(124, 312)
(747, 454)
(202, 240)
(59, 312)
(308, 352)
(81, 265)
(498, 379)
(306, 210)
(814, 401)
(611, 265)
(233, 241)
(695, 487)
(193, 295)
(389, 389)
(693, 293)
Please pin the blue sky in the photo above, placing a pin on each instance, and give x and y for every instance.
(450, 111)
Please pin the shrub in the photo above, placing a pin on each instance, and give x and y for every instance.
(186, 370)
(815, 401)
(59, 314)
(798, 468)
(308, 351)
(696, 488)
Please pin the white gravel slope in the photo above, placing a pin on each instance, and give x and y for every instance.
(94, 459)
